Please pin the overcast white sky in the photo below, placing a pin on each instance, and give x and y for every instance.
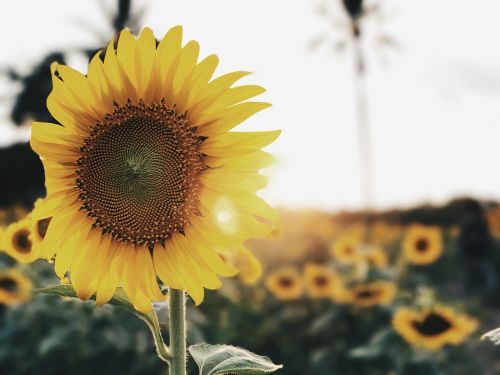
(434, 102)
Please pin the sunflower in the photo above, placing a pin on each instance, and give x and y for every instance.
(493, 218)
(373, 294)
(375, 256)
(433, 327)
(2, 238)
(14, 287)
(144, 176)
(384, 233)
(285, 283)
(322, 282)
(422, 244)
(358, 231)
(346, 250)
(17, 241)
(249, 267)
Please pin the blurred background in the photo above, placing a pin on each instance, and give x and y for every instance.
(386, 181)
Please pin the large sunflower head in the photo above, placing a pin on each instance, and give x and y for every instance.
(14, 287)
(285, 284)
(373, 294)
(422, 244)
(433, 327)
(144, 176)
(322, 282)
(18, 242)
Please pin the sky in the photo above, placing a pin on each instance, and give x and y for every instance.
(433, 98)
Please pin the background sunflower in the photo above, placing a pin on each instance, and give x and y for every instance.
(432, 328)
(285, 284)
(422, 244)
(322, 282)
(15, 287)
(18, 242)
(373, 294)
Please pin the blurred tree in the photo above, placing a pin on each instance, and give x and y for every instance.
(357, 12)
(22, 175)
(35, 86)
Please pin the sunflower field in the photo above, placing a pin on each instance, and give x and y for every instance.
(348, 294)
(142, 232)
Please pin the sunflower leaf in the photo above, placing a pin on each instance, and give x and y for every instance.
(225, 359)
(493, 336)
(119, 300)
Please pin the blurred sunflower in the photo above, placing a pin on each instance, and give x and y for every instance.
(322, 282)
(144, 177)
(248, 266)
(373, 294)
(345, 250)
(432, 328)
(285, 284)
(375, 256)
(358, 231)
(422, 244)
(2, 238)
(14, 287)
(17, 241)
(383, 233)
(493, 218)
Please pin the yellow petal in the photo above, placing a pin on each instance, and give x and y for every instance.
(107, 285)
(223, 120)
(187, 61)
(128, 59)
(238, 143)
(168, 49)
(146, 46)
(147, 283)
(202, 74)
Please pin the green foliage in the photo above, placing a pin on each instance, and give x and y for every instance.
(57, 336)
(121, 301)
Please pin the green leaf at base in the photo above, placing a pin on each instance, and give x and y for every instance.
(493, 336)
(121, 301)
(225, 359)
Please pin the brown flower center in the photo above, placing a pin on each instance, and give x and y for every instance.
(8, 284)
(21, 241)
(433, 324)
(285, 282)
(321, 281)
(368, 293)
(139, 173)
(422, 244)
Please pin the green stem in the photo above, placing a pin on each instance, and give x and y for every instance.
(177, 332)
(161, 349)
